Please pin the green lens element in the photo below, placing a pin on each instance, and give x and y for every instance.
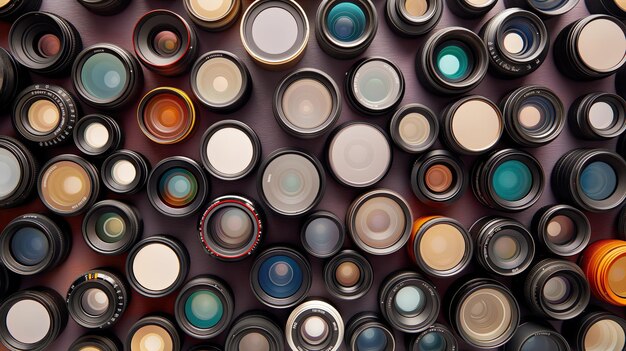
(103, 76)
(453, 62)
(110, 227)
(512, 180)
(204, 309)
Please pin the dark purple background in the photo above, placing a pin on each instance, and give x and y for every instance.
(258, 114)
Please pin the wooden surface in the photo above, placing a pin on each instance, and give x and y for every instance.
(258, 114)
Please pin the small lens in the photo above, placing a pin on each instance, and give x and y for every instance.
(438, 178)
(316, 325)
(97, 134)
(322, 234)
(365, 331)
(345, 29)
(254, 332)
(562, 229)
(435, 338)
(413, 17)
(598, 116)
(348, 275)
(414, 128)
(19, 172)
(215, 15)
(111, 227)
(12, 9)
(154, 332)
(375, 86)
(166, 115)
(124, 172)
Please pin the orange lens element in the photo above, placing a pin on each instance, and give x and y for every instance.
(166, 115)
(604, 264)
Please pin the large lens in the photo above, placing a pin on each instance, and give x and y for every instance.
(255, 332)
(164, 42)
(213, 15)
(413, 17)
(435, 338)
(534, 336)
(154, 332)
(603, 263)
(438, 178)
(314, 325)
(472, 125)
(12, 9)
(44, 42)
(13, 76)
(597, 331)
(379, 222)
(291, 182)
(348, 275)
(95, 342)
(97, 299)
(111, 227)
(598, 116)
(125, 172)
(231, 228)
(280, 277)
(221, 81)
(366, 332)
(106, 76)
(97, 134)
(157, 266)
(166, 115)
(322, 234)
(374, 86)
(18, 172)
(551, 7)
(562, 229)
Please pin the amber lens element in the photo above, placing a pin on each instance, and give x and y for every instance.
(604, 264)
(166, 115)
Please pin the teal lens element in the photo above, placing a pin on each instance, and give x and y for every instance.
(204, 309)
(410, 300)
(346, 21)
(598, 181)
(371, 339)
(453, 62)
(103, 76)
(512, 180)
(432, 341)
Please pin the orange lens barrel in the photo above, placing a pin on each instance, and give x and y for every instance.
(166, 115)
(604, 264)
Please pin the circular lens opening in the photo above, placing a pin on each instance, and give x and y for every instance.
(232, 227)
(409, 300)
(604, 335)
(94, 302)
(110, 227)
(348, 274)
(561, 230)
(598, 180)
(314, 330)
(307, 103)
(204, 309)
(346, 21)
(454, 61)
(486, 315)
(432, 341)
(29, 246)
(512, 180)
(280, 276)
(48, 45)
(43, 117)
(557, 290)
(602, 115)
(439, 178)
(177, 187)
(442, 247)
(372, 339)
(104, 76)
(541, 342)
(380, 222)
(166, 43)
(254, 342)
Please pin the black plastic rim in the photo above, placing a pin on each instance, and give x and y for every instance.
(405, 24)
(9, 282)
(315, 308)
(363, 321)
(13, 77)
(415, 323)
(255, 323)
(580, 110)
(177, 162)
(529, 330)
(356, 291)
(221, 290)
(340, 227)
(608, 7)
(583, 229)
(565, 7)
(109, 283)
(170, 242)
(429, 115)
(360, 104)
(159, 321)
(100, 342)
(28, 168)
(115, 135)
(61, 98)
(105, 7)
(464, 9)
(450, 339)
(418, 178)
(132, 221)
(142, 167)
(16, 8)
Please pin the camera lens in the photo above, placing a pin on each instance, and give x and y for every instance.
(322, 234)
(435, 338)
(275, 33)
(106, 76)
(615, 8)
(533, 115)
(45, 114)
(596, 331)
(603, 261)
(44, 42)
(33, 243)
(213, 16)
(19, 172)
(12, 9)
(508, 180)
(438, 178)
(166, 115)
(483, 312)
(157, 266)
(452, 61)
(97, 299)
(105, 7)
(472, 125)
(95, 135)
(359, 154)
(68, 185)
(221, 81)
(231, 228)
(365, 331)
(414, 128)
(95, 342)
(155, 332)
(440, 246)
(598, 116)
(379, 222)
(13, 77)
(230, 150)
(291, 182)
(534, 336)
(591, 179)
(280, 277)
(413, 17)
(578, 53)
(32, 319)
(549, 8)
(518, 42)
(471, 8)
(348, 275)
(557, 289)
(374, 86)
(125, 172)
(503, 245)
(563, 230)
(177, 186)
(315, 325)
(111, 227)
(164, 42)
(346, 28)
(408, 302)
(204, 307)
(254, 332)
(307, 103)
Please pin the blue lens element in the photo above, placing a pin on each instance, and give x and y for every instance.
(540, 342)
(280, 276)
(103, 76)
(204, 309)
(346, 21)
(371, 339)
(598, 181)
(548, 5)
(322, 235)
(512, 180)
(29, 246)
(432, 341)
